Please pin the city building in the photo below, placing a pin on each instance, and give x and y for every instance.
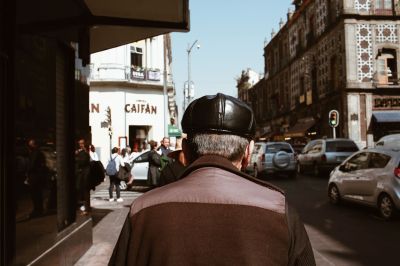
(334, 55)
(45, 52)
(127, 106)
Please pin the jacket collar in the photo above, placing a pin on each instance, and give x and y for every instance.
(223, 163)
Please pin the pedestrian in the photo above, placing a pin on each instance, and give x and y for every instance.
(216, 214)
(82, 172)
(164, 147)
(114, 162)
(124, 173)
(96, 173)
(173, 171)
(37, 174)
(92, 153)
(153, 173)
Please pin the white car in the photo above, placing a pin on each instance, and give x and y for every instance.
(370, 177)
(389, 141)
(140, 166)
(270, 158)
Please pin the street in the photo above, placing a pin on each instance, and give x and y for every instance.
(348, 234)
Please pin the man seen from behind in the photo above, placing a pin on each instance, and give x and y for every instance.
(215, 214)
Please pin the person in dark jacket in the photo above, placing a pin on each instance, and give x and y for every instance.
(173, 170)
(216, 214)
(153, 174)
(82, 171)
(37, 174)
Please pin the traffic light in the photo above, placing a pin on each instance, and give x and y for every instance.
(333, 118)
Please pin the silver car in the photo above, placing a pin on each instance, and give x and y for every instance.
(270, 158)
(370, 177)
(389, 141)
(323, 155)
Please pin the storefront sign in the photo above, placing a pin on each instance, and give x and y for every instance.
(383, 103)
(141, 108)
(138, 108)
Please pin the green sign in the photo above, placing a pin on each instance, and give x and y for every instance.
(173, 131)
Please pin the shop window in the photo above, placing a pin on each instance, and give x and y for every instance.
(386, 65)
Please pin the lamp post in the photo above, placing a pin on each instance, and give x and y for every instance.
(187, 92)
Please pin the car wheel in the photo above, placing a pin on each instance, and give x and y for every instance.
(333, 194)
(316, 170)
(281, 160)
(386, 206)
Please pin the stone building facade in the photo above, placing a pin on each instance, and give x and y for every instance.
(334, 55)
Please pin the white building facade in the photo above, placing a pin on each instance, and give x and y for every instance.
(132, 97)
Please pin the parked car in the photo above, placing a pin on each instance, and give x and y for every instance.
(272, 158)
(389, 141)
(370, 177)
(140, 166)
(323, 155)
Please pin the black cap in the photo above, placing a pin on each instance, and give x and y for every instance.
(222, 114)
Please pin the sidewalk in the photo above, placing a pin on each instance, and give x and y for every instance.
(108, 221)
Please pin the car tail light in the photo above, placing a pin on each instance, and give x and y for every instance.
(323, 157)
(397, 172)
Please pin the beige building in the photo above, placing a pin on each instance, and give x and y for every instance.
(333, 55)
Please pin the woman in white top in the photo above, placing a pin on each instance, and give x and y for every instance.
(92, 153)
(114, 181)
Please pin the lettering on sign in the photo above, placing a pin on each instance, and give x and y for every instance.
(141, 108)
(387, 103)
(94, 108)
(138, 108)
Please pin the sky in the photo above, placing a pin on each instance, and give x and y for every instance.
(231, 34)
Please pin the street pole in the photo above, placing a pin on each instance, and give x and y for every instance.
(188, 94)
(334, 132)
(165, 89)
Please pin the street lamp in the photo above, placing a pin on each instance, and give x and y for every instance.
(188, 93)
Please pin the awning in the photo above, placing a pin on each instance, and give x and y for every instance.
(300, 128)
(386, 116)
(103, 24)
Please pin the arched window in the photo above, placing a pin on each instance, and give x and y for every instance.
(386, 66)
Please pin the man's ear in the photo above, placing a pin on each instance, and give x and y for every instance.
(247, 154)
(188, 151)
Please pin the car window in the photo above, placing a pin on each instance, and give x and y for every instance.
(276, 147)
(316, 148)
(257, 148)
(357, 162)
(341, 146)
(378, 160)
(308, 147)
(144, 157)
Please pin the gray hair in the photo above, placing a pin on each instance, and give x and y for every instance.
(231, 147)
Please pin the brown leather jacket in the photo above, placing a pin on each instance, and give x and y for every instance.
(216, 215)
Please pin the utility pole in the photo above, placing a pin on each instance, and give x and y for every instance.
(188, 93)
(165, 88)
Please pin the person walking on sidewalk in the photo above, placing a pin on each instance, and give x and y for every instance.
(216, 214)
(113, 165)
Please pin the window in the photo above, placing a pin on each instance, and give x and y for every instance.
(357, 162)
(378, 160)
(383, 4)
(136, 56)
(386, 65)
(274, 148)
(341, 146)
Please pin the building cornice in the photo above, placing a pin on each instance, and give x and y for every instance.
(127, 85)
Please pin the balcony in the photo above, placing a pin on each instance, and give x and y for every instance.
(118, 72)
